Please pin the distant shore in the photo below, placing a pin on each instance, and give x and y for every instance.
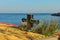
(56, 14)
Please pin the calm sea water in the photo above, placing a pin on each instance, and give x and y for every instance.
(15, 18)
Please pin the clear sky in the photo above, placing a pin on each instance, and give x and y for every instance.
(30, 6)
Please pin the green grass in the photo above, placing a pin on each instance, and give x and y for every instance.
(46, 28)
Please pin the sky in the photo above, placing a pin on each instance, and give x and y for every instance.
(29, 6)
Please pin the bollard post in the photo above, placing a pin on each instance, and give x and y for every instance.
(29, 18)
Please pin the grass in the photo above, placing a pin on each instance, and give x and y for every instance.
(11, 33)
(46, 28)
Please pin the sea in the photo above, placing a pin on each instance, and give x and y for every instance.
(16, 18)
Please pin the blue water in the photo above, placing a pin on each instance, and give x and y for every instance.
(15, 18)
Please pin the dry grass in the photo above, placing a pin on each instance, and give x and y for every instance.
(9, 33)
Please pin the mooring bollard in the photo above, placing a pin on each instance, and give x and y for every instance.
(29, 18)
(30, 21)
